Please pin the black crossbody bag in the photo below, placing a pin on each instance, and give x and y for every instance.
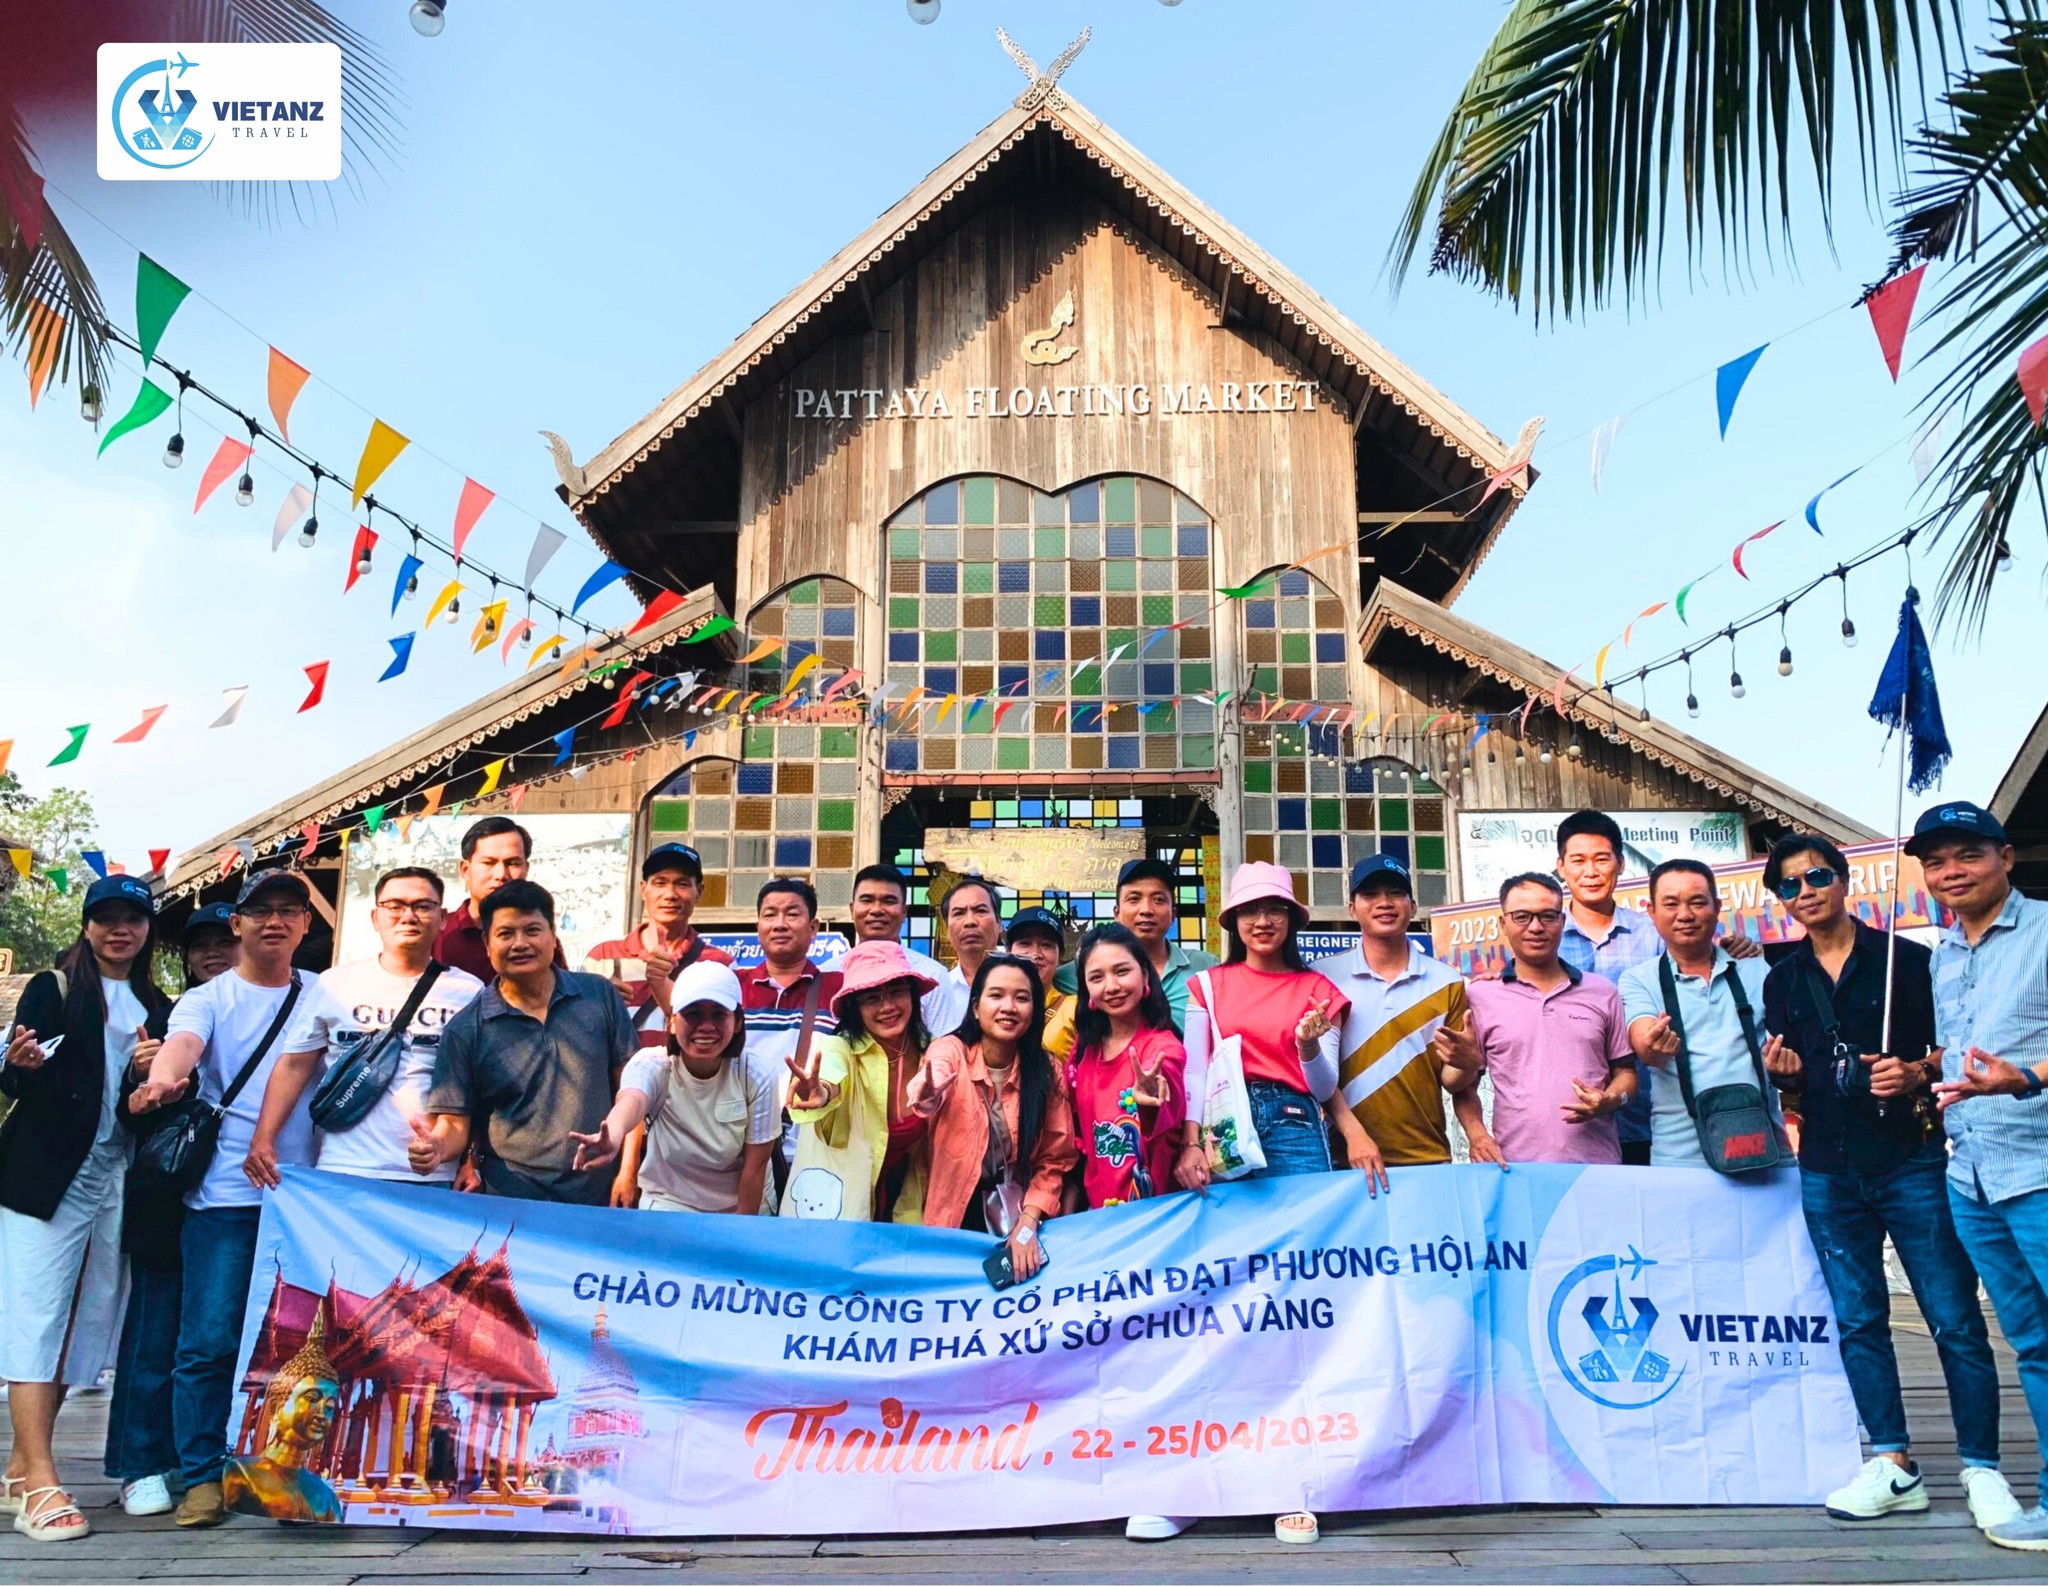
(1737, 1133)
(174, 1158)
(358, 1082)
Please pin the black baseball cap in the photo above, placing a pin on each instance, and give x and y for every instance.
(672, 856)
(1374, 870)
(1956, 819)
(1147, 870)
(274, 881)
(1035, 919)
(120, 889)
(213, 916)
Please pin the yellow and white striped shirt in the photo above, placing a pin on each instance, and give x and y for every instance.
(1386, 1071)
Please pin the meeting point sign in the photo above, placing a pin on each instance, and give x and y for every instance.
(219, 112)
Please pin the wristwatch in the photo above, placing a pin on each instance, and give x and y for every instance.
(2035, 1085)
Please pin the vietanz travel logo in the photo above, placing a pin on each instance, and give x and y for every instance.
(1611, 1341)
(220, 112)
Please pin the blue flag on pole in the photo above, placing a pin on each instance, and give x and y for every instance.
(1906, 697)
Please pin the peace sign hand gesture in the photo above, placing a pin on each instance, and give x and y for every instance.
(1315, 1024)
(1151, 1089)
(593, 1150)
(807, 1092)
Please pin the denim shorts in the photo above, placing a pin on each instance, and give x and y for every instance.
(1291, 1130)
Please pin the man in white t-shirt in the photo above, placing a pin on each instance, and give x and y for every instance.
(355, 1003)
(214, 1030)
(881, 903)
(713, 1110)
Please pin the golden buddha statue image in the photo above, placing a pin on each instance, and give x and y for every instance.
(298, 1411)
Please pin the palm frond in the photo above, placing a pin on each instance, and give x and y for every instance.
(1594, 128)
(51, 275)
(1982, 194)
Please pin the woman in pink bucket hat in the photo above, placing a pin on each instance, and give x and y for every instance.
(859, 1153)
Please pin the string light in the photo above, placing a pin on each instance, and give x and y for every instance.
(1735, 685)
(1848, 626)
(89, 403)
(1784, 643)
(174, 448)
(311, 531)
(922, 12)
(2003, 562)
(429, 17)
(1692, 699)
(363, 559)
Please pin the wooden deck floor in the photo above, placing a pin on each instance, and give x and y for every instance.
(1520, 1545)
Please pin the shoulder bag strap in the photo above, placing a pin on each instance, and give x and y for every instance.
(284, 1012)
(1747, 1015)
(803, 1033)
(1668, 982)
(408, 1010)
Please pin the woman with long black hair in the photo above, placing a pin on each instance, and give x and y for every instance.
(1129, 1075)
(1002, 1127)
(63, 1158)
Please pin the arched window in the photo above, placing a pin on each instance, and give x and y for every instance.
(1047, 611)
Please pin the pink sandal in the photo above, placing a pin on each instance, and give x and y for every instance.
(47, 1524)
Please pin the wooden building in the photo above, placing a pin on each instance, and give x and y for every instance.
(999, 455)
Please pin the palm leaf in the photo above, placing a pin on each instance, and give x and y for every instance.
(52, 275)
(1982, 194)
(1592, 128)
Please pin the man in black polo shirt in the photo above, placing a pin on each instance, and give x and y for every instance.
(534, 1057)
(1869, 1166)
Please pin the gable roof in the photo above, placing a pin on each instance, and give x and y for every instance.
(1262, 295)
(517, 718)
(1393, 609)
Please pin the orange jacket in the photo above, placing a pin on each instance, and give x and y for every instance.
(959, 1135)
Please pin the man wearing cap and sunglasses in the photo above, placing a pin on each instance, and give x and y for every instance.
(1145, 907)
(1991, 1017)
(644, 962)
(1869, 1169)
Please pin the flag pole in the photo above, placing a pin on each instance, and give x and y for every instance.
(1891, 919)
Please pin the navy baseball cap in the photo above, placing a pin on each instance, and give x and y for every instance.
(274, 881)
(213, 915)
(1956, 819)
(1373, 867)
(1035, 919)
(1147, 870)
(120, 889)
(672, 856)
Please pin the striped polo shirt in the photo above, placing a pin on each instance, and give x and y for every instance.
(1386, 1071)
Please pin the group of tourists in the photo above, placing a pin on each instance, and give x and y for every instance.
(1009, 1087)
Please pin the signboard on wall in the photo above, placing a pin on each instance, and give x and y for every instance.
(1071, 859)
(1467, 935)
(584, 861)
(1493, 845)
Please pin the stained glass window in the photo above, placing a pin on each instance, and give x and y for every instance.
(1044, 610)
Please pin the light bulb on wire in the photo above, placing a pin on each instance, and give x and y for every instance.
(310, 532)
(429, 17)
(363, 560)
(412, 586)
(454, 607)
(245, 490)
(2004, 558)
(89, 403)
(1848, 626)
(174, 452)
(1692, 698)
(1784, 643)
(922, 12)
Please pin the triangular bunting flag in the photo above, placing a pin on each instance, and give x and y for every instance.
(316, 674)
(309, 833)
(802, 670)
(542, 650)
(546, 542)
(492, 772)
(624, 702)
(373, 817)
(228, 457)
(1604, 437)
(6, 749)
(657, 608)
(760, 652)
(158, 858)
(69, 752)
(140, 730)
(1678, 604)
(96, 860)
(233, 712)
(157, 296)
(380, 450)
(359, 554)
(1891, 312)
(1746, 544)
(448, 593)
(151, 403)
(712, 629)
(22, 859)
(60, 878)
(565, 743)
(523, 625)
(608, 574)
(405, 828)
(45, 337)
(467, 510)
(516, 797)
(2033, 378)
(1728, 382)
(287, 379)
(488, 622)
(407, 571)
(401, 656)
(298, 500)
(1813, 506)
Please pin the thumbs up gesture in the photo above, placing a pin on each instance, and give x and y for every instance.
(423, 1151)
(145, 1049)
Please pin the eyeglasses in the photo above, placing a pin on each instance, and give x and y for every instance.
(1524, 918)
(418, 908)
(1264, 908)
(1820, 878)
(264, 913)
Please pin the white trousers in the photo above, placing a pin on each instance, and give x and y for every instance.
(66, 1276)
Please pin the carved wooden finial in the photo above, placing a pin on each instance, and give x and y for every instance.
(1044, 87)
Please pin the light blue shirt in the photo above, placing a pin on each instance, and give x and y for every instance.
(1713, 1037)
(1994, 996)
(1630, 939)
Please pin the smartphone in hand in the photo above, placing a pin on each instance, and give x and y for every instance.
(998, 1267)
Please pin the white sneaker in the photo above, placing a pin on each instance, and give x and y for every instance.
(1880, 1487)
(1990, 1497)
(1155, 1527)
(151, 1495)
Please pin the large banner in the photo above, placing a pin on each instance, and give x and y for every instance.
(1547, 1334)
(1493, 845)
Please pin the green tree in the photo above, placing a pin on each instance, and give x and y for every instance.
(37, 920)
(1594, 133)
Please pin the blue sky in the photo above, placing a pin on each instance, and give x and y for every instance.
(590, 203)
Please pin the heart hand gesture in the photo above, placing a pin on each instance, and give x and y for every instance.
(1780, 1059)
(1315, 1024)
(1663, 1041)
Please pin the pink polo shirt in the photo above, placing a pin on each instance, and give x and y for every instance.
(1535, 1044)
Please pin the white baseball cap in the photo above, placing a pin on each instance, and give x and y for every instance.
(705, 981)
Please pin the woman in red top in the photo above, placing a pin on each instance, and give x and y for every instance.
(1128, 1074)
(1287, 1017)
(1002, 1140)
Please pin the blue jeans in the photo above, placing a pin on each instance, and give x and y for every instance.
(1290, 1128)
(2008, 1240)
(139, 1441)
(219, 1246)
(1849, 1215)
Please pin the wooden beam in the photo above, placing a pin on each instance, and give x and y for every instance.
(1433, 515)
(694, 526)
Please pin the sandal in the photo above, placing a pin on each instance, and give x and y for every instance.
(47, 1525)
(11, 1488)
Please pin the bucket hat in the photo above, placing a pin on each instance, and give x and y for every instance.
(1256, 879)
(873, 964)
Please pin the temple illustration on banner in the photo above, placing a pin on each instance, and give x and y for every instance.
(418, 1397)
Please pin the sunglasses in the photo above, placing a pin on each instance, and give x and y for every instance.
(1820, 878)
